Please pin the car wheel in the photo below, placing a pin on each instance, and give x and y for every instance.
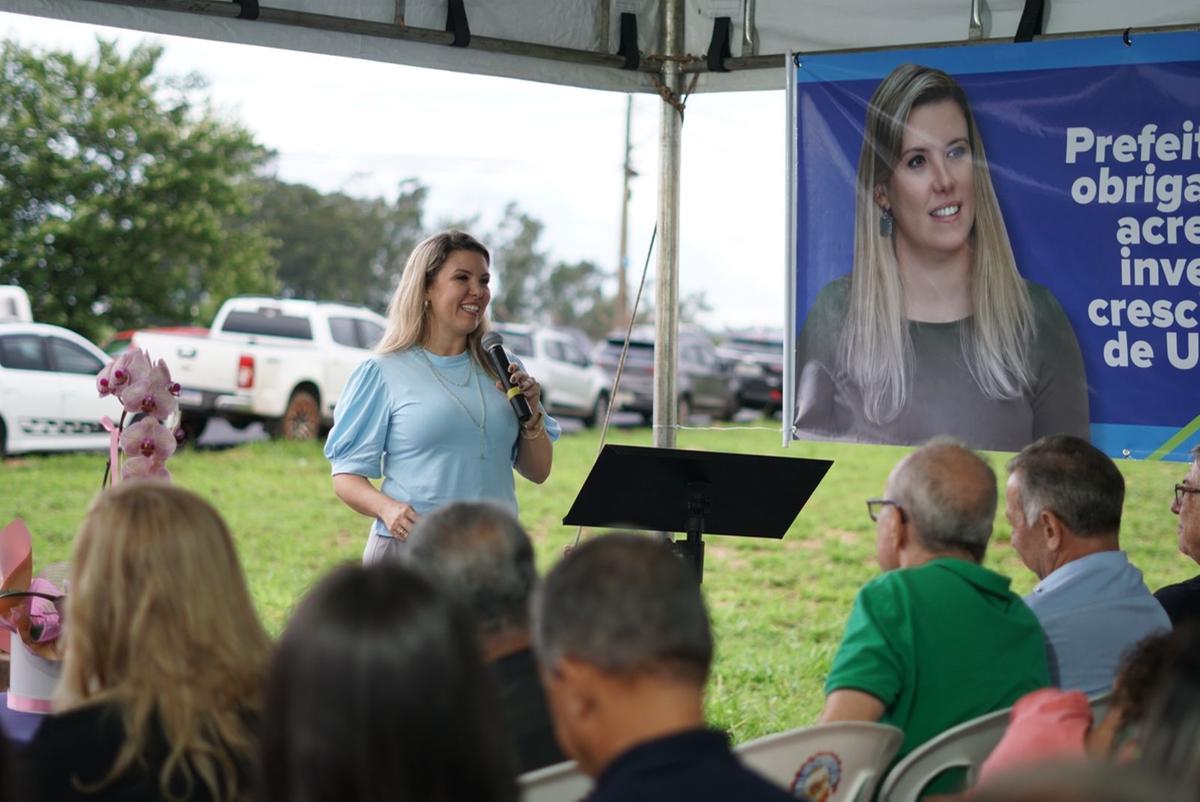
(302, 418)
(685, 410)
(193, 427)
(599, 412)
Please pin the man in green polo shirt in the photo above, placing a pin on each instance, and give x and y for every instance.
(937, 639)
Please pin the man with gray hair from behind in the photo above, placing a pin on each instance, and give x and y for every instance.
(478, 553)
(1063, 500)
(1182, 600)
(624, 644)
(937, 639)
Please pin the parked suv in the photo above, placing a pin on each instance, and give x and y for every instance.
(757, 357)
(704, 380)
(571, 385)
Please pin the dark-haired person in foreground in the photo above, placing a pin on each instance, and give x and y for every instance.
(625, 648)
(1063, 500)
(937, 639)
(478, 553)
(377, 692)
(1182, 600)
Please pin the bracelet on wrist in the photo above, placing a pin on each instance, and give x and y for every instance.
(536, 422)
(534, 433)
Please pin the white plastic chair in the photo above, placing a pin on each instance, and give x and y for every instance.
(846, 758)
(562, 782)
(965, 746)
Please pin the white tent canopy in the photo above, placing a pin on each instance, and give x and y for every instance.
(579, 43)
(574, 42)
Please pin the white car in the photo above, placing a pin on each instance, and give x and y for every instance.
(571, 385)
(48, 398)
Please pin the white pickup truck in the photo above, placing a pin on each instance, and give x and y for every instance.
(282, 362)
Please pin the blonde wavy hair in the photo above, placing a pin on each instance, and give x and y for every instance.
(875, 344)
(407, 315)
(160, 625)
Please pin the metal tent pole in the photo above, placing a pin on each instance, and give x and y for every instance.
(666, 297)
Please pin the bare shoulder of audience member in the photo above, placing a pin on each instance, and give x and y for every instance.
(165, 657)
(377, 691)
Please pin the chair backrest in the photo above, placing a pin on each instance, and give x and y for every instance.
(562, 782)
(965, 746)
(839, 762)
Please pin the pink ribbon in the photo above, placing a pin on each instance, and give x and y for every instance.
(114, 448)
(25, 704)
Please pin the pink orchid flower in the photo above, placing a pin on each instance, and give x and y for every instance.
(153, 394)
(128, 368)
(148, 438)
(144, 468)
(45, 621)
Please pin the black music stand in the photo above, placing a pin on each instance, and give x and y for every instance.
(695, 492)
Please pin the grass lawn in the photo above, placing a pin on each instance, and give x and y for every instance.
(778, 607)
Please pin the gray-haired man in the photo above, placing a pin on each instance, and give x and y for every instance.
(480, 554)
(1064, 500)
(624, 645)
(1182, 600)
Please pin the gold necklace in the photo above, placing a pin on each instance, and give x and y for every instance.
(481, 424)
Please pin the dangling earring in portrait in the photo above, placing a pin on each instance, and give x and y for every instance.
(885, 222)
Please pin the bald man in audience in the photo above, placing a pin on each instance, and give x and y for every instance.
(624, 644)
(479, 554)
(1064, 500)
(1182, 600)
(937, 639)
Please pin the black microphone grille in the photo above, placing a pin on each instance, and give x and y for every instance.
(491, 340)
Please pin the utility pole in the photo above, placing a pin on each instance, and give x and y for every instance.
(621, 310)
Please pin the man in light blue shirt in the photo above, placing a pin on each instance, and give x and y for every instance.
(1064, 500)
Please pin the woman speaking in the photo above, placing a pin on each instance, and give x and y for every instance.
(934, 332)
(426, 411)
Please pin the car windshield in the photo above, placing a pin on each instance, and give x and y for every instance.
(519, 343)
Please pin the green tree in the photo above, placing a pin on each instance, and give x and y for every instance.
(573, 295)
(337, 247)
(518, 267)
(123, 198)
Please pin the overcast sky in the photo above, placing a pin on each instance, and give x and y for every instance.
(361, 127)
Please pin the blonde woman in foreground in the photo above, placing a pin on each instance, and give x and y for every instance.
(934, 332)
(165, 662)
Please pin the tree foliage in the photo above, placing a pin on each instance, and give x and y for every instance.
(337, 247)
(123, 199)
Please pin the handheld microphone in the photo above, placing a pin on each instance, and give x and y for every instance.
(493, 344)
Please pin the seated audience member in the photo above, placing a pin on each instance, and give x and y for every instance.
(377, 692)
(1063, 501)
(1169, 739)
(937, 639)
(1182, 600)
(478, 553)
(1083, 782)
(1053, 725)
(165, 658)
(625, 647)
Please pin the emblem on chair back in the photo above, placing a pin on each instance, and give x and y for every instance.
(818, 778)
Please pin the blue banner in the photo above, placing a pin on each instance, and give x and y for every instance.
(1019, 256)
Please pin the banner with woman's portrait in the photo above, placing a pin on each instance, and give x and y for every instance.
(996, 243)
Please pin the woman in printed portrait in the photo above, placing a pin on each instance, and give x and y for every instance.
(934, 332)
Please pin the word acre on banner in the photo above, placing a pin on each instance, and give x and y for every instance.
(1166, 191)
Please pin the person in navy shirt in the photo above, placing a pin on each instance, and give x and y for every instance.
(624, 644)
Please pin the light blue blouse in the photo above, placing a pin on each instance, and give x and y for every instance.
(415, 418)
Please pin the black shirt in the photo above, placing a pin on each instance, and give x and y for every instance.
(1181, 601)
(693, 766)
(526, 717)
(81, 746)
